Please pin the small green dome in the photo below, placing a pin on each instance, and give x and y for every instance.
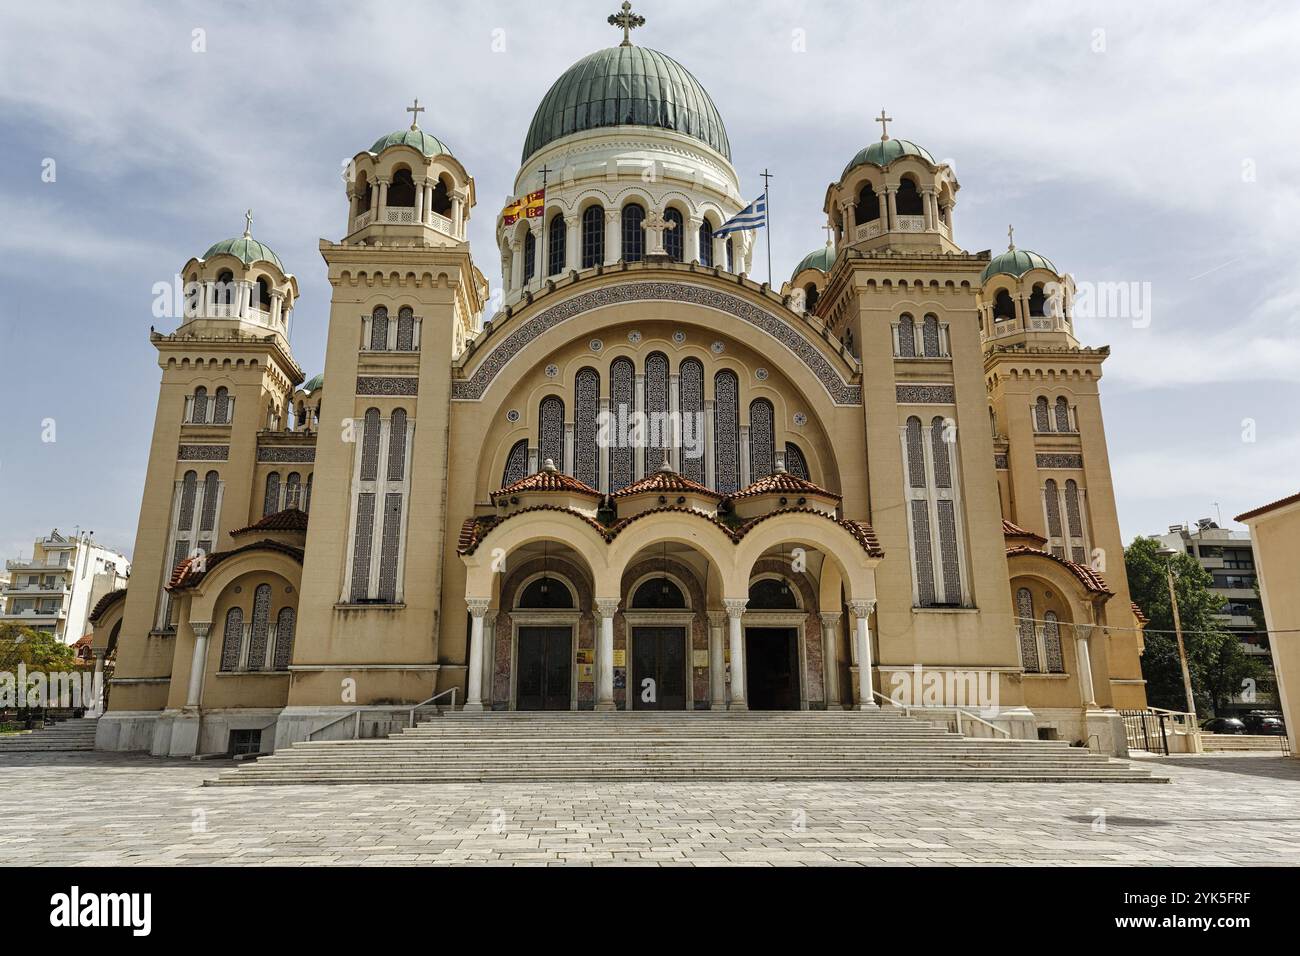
(314, 383)
(883, 152)
(821, 259)
(1015, 262)
(627, 86)
(246, 249)
(416, 138)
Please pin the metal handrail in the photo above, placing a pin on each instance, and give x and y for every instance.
(908, 708)
(356, 729)
(452, 691)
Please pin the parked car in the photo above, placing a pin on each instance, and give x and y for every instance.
(1224, 725)
(1267, 724)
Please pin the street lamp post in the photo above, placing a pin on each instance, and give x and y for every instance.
(1168, 554)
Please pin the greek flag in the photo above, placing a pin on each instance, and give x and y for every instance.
(751, 217)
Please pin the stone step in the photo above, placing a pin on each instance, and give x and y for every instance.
(78, 734)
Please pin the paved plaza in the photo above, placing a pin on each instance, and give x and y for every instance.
(113, 809)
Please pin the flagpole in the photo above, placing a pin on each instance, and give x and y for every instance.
(767, 223)
(543, 266)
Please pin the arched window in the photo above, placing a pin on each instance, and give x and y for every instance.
(868, 205)
(401, 191)
(772, 594)
(1063, 415)
(1052, 504)
(516, 463)
(199, 413)
(363, 193)
(546, 594)
(908, 199)
(550, 431)
(271, 500)
(261, 629)
(530, 256)
(306, 495)
(915, 454)
(656, 410)
(292, 490)
(795, 463)
(1037, 300)
(211, 491)
(1026, 625)
(263, 295)
(221, 406)
(810, 296)
(762, 439)
(939, 448)
(1052, 644)
(586, 422)
(622, 406)
(1003, 306)
(1074, 521)
(674, 239)
(690, 402)
(930, 335)
(906, 336)
(593, 236)
(706, 243)
(284, 624)
(189, 487)
(659, 594)
(379, 329)
(233, 639)
(388, 547)
(555, 238)
(441, 199)
(225, 287)
(633, 233)
(405, 329)
(731, 255)
(1042, 416)
(397, 445)
(726, 443)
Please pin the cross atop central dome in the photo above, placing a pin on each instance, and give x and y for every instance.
(627, 85)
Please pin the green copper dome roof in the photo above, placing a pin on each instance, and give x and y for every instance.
(627, 85)
(417, 138)
(247, 249)
(822, 259)
(314, 383)
(1015, 262)
(883, 152)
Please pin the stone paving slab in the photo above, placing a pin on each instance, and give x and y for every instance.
(95, 809)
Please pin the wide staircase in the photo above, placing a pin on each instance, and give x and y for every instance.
(76, 734)
(569, 747)
(1242, 743)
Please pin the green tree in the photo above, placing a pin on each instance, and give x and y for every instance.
(39, 650)
(1215, 659)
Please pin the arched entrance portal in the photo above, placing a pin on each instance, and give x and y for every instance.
(773, 642)
(660, 618)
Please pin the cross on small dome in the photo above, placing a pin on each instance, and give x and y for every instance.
(628, 20)
(248, 223)
(884, 120)
(415, 109)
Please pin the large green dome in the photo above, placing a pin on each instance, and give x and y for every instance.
(246, 249)
(883, 152)
(417, 138)
(1015, 262)
(627, 85)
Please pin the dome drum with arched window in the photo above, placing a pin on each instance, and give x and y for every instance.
(239, 280)
(1022, 295)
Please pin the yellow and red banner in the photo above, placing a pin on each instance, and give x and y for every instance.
(530, 207)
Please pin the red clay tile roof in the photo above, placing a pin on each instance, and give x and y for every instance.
(290, 519)
(784, 483)
(1089, 578)
(548, 479)
(1015, 531)
(186, 576)
(666, 481)
(104, 603)
(1256, 512)
(1137, 613)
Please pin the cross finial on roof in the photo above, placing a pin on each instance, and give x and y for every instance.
(628, 20)
(415, 109)
(884, 120)
(248, 223)
(1011, 238)
(829, 233)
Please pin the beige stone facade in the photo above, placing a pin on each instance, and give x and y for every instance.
(639, 479)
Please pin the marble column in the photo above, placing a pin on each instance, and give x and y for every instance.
(691, 243)
(421, 213)
(198, 663)
(606, 608)
(735, 613)
(613, 218)
(474, 679)
(572, 243)
(1083, 661)
(849, 214)
(97, 707)
(862, 637)
(892, 206)
(383, 200)
(717, 661)
(830, 657)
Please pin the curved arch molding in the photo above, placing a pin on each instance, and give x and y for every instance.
(473, 388)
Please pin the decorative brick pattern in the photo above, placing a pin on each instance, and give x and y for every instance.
(1059, 461)
(287, 454)
(925, 395)
(387, 385)
(203, 453)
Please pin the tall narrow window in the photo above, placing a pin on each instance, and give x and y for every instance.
(284, 624)
(622, 406)
(690, 403)
(370, 445)
(555, 251)
(795, 463)
(1063, 415)
(930, 333)
(550, 431)
(726, 431)
(530, 256)
(1052, 506)
(390, 546)
(362, 540)
(221, 407)
(397, 445)
(1042, 416)
(656, 409)
(908, 198)
(1037, 300)
(271, 500)
(762, 440)
(586, 420)
(1074, 522)
(405, 329)
(258, 635)
(516, 463)
(292, 490)
(306, 495)
(593, 236)
(706, 243)
(232, 640)
(1026, 625)
(379, 329)
(932, 488)
(906, 336)
(200, 413)
(633, 233)
(674, 240)
(1052, 644)
(731, 255)
(208, 519)
(868, 205)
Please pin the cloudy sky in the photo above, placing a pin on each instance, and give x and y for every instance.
(1153, 143)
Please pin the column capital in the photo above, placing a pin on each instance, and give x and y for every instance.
(478, 606)
(200, 628)
(612, 215)
(717, 618)
(831, 618)
(735, 606)
(862, 608)
(606, 607)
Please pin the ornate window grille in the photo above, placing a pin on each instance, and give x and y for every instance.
(726, 431)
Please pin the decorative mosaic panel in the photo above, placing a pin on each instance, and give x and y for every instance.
(1025, 624)
(622, 404)
(690, 402)
(516, 463)
(925, 395)
(1000, 462)
(586, 426)
(232, 639)
(795, 463)
(260, 633)
(284, 625)
(392, 533)
(1059, 461)
(550, 431)
(203, 452)
(915, 454)
(365, 533)
(387, 385)
(840, 391)
(370, 445)
(924, 560)
(726, 432)
(1052, 644)
(286, 454)
(948, 551)
(397, 445)
(656, 409)
(762, 440)
(939, 449)
(906, 337)
(189, 486)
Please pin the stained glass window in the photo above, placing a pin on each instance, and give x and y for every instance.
(389, 548)
(586, 420)
(530, 256)
(762, 440)
(284, 624)
(924, 558)
(726, 431)
(405, 329)
(690, 404)
(1042, 419)
(1053, 504)
(906, 336)
(397, 445)
(361, 546)
(211, 486)
(271, 500)
(915, 454)
(1052, 644)
(189, 486)
(292, 490)
(1062, 415)
(939, 448)
(200, 413)
(257, 638)
(550, 431)
(1025, 622)
(232, 639)
(948, 551)
(221, 407)
(656, 409)
(370, 445)
(516, 463)
(795, 463)
(930, 332)
(622, 405)
(379, 329)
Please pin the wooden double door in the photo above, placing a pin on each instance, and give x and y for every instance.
(658, 669)
(544, 668)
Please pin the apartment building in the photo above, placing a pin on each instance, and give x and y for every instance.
(55, 589)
